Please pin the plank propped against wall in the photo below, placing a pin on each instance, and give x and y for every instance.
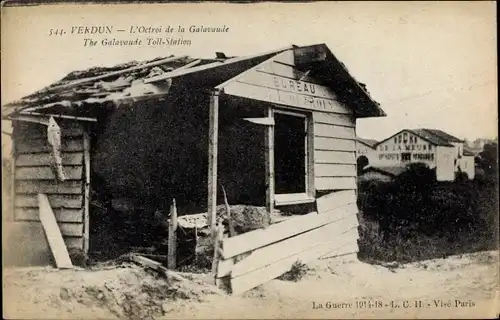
(53, 234)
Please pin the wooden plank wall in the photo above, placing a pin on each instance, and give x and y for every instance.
(279, 81)
(334, 150)
(256, 257)
(34, 175)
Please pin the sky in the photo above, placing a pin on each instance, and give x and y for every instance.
(428, 64)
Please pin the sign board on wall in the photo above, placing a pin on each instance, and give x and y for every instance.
(278, 89)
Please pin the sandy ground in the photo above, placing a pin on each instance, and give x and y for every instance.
(463, 286)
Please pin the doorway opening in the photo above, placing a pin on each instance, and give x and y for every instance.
(290, 156)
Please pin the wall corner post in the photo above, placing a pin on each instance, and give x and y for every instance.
(213, 133)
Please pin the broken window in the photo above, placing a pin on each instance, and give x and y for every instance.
(290, 144)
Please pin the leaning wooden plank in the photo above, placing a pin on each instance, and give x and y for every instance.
(49, 187)
(335, 200)
(62, 215)
(334, 131)
(340, 157)
(334, 170)
(39, 145)
(263, 275)
(278, 251)
(46, 173)
(224, 268)
(334, 183)
(157, 267)
(46, 159)
(276, 232)
(350, 245)
(53, 234)
(56, 201)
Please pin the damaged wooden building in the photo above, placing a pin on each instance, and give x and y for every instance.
(274, 130)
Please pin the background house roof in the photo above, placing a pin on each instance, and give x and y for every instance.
(369, 142)
(434, 136)
(468, 152)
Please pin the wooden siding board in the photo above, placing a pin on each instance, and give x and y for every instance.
(38, 145)
(335, 183)
(286, 71)
(334, 131)
(56, 201)
(62, 215)
(46, 173)
(335, 170)
(340, 157)
(287, 57)
(334, 144)
(73, 242)
(274, 233)
(272, 81)
(48, 187)
(335, 119)
(46, 159)
(285, 98)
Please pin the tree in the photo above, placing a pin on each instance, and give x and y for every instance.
(488, 159)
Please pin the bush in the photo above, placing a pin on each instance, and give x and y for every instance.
(414, 207)
(296, 272)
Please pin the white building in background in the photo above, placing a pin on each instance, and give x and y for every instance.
(366, 148)
(435, 148)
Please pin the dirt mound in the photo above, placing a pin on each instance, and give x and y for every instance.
(125, 291)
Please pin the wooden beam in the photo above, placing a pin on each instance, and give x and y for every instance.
(155, 265)
(53, 234)
(189, 65)
(270, 163)
(172, 237)
(60, 116)
(86, 203)
(212, 159)
(30, 118)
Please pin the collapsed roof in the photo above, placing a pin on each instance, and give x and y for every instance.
(76, 92)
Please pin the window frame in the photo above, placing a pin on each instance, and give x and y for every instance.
(308, 196)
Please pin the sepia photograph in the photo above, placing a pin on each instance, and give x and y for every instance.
(251, 160)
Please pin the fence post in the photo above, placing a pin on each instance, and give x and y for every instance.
(172, 237)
